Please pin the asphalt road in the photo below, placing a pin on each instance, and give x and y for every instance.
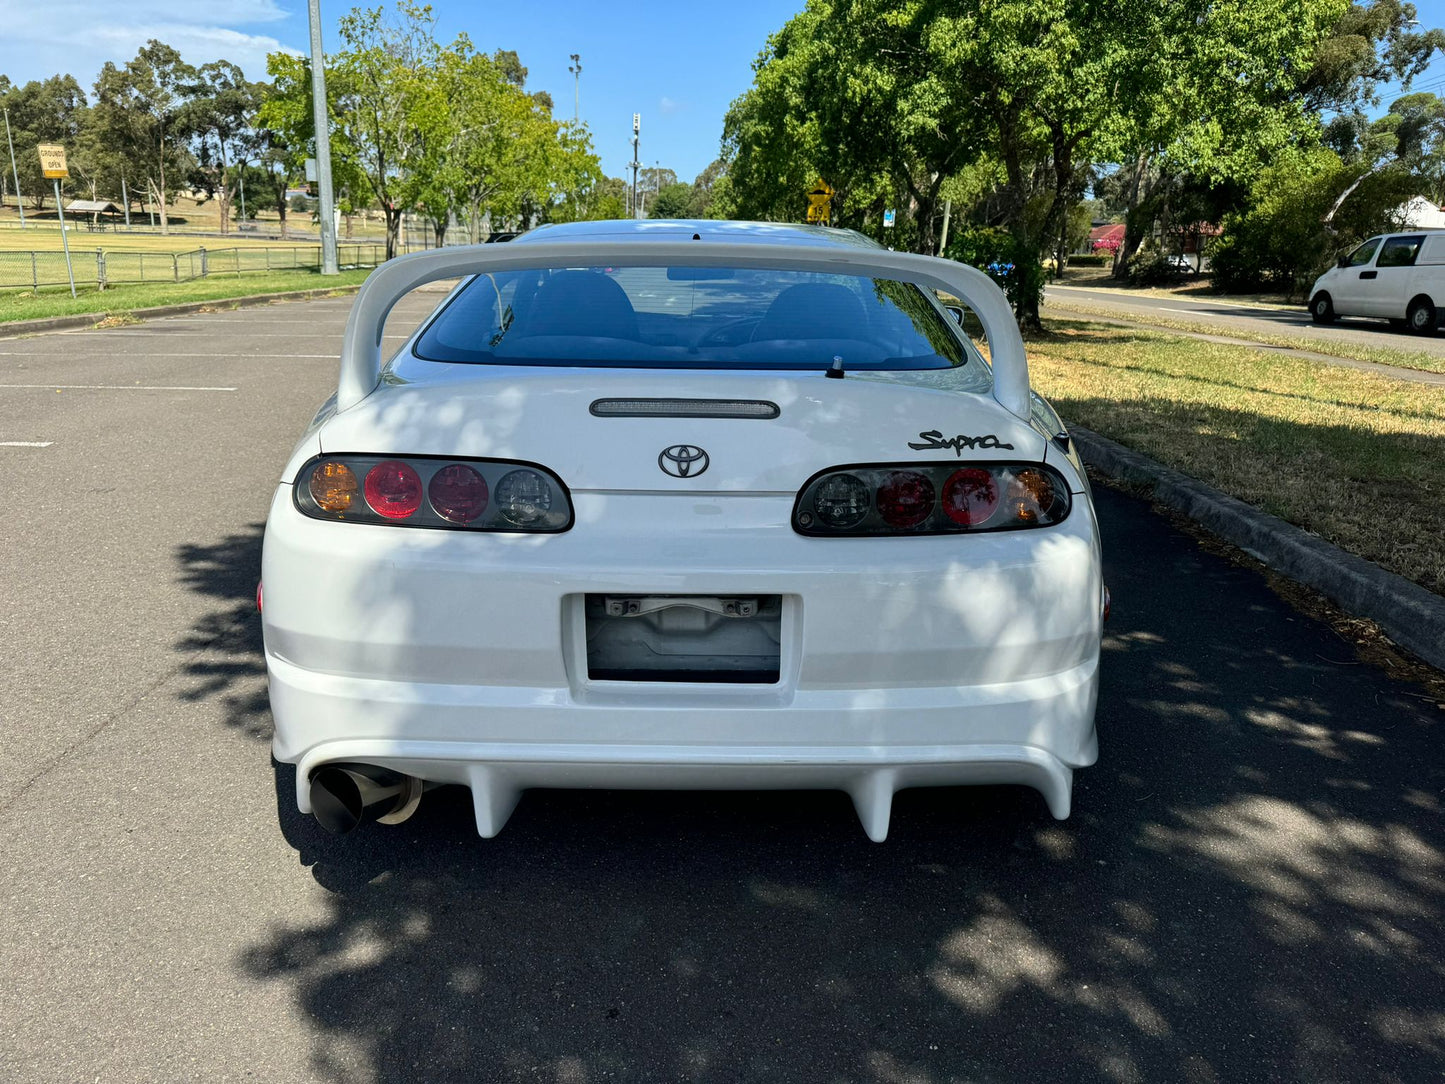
(1250, 889)
(1224, 317)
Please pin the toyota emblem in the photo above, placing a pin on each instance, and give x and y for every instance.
(683, 460)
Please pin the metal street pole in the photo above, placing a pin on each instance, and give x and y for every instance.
(64, 238)
(636, 190)
(323, 142)
(19, 201)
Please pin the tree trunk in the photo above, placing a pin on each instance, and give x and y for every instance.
(1132, 238)
(161, 194)
(393, 226)
(223, 199)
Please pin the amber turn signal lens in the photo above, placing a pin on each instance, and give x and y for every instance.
(1032, 494)
(333, 486)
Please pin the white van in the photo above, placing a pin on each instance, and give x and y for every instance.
(1398, 276)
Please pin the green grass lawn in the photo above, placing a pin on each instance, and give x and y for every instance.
(18, 305)
(1356, 458)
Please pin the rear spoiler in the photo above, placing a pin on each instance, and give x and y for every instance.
(361, 350)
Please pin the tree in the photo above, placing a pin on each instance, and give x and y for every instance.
(1279, 241)
(673, 201)
(138, 110)
(43, 111)
(286, 127)
(889, 100)
(220, 114)
(384, 101)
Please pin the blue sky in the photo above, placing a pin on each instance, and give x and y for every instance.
(679, 63)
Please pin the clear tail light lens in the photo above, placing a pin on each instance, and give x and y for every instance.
(841, 501)
(930, 498)
(523, 497)
(431, 491)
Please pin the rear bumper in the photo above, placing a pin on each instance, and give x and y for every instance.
(904, 662)
(1033, 733)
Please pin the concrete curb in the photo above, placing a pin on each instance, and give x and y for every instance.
(1410, 615)
(90, 319)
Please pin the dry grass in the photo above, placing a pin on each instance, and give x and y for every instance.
(1304, 340)
(1354, 457)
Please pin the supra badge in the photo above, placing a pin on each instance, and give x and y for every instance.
(683, 460)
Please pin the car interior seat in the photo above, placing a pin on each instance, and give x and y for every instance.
(581, 303)
(813, 310)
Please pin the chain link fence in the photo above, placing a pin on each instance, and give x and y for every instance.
(100, 268)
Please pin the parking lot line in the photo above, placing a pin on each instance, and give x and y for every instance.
(110, 387)
(26, 443)
(172, 354)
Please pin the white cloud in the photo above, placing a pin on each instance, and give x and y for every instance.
(668, 105)
(79, 36)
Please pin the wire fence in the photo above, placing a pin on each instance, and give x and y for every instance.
(100, 268)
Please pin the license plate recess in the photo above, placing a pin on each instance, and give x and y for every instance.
(720, 639)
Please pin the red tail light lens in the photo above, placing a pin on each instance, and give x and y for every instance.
(458, 493)
(430, 491)
(905, 499)
(970, 496)
(393, 489)
(930, 498)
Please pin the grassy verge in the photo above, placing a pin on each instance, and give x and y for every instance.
(15, 305)
(1380, 355)
(1352, 456)
(83, 243)
(1191, 288)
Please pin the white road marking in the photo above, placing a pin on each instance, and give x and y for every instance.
(156, 354)
(26, 443)
(111, 387)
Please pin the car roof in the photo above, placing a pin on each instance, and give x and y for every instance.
(700, 229)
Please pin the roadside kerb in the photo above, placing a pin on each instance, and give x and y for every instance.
(1410, 615)
(90, 319)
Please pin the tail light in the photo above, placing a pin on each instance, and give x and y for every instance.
(431, 491)
(930, 498)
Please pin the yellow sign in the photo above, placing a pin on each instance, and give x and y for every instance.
(52, 160)
(820, 202)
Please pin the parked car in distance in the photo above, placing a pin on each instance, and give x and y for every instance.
(681, 505)
(1398, 277)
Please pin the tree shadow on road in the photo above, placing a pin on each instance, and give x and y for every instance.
(1251, 888)
(224, 657)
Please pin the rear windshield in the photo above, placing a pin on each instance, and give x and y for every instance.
(692, 318)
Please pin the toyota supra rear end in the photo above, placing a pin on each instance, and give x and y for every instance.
(681, 505)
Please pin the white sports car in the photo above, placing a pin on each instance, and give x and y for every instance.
(681, 505)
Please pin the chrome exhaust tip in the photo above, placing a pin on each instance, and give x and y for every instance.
(345, 795)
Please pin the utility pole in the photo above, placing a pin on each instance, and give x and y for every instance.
(19, 202)
(323, 142)
(636, 165)
(576, 69)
